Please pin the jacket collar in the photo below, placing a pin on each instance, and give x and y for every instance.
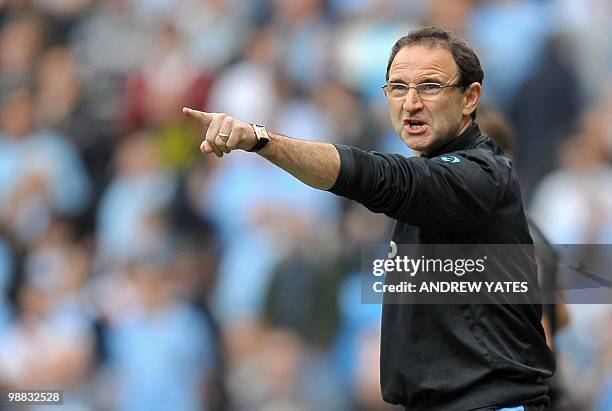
(465, 139)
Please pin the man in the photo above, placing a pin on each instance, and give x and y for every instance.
(458, 189)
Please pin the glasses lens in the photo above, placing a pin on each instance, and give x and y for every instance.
(429, 89)
(396, 91)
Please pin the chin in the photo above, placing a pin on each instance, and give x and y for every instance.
(417, 144)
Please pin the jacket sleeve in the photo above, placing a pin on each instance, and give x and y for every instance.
(457, 188)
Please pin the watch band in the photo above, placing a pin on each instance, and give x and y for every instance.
(262, 137)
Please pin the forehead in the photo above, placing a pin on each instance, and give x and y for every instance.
(415, 62)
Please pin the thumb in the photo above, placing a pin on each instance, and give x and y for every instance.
(204, 117)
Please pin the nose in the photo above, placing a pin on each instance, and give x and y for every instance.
(412, 102)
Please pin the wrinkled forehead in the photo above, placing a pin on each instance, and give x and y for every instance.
(424, 61)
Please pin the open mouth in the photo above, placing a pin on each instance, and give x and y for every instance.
(414, 126)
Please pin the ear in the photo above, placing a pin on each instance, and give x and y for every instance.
(471, 98)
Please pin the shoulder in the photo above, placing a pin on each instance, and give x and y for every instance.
(478, 160)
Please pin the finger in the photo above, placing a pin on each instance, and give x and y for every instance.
(211, 134)
(216, 149)
(233, 139)
(206, 148)
(202, 116)
(226, 128)
(220, 144)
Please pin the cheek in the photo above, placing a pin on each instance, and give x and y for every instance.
(396, 109)
(396, 114)
(447, 116)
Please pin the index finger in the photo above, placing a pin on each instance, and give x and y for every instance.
(204, 117)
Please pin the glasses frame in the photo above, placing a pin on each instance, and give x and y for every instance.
(418, 92)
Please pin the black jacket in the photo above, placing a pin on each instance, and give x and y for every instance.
(452, 357)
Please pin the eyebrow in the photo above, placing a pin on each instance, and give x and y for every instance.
(431, 80)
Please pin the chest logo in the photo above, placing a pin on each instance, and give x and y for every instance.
(450, 159)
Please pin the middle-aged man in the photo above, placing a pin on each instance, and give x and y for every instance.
(458, 189)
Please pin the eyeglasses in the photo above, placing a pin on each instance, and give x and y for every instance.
(425, 91)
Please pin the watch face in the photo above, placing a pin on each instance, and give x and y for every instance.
(262, 137)
(261, 132)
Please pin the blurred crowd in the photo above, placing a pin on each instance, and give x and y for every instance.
(138, 274)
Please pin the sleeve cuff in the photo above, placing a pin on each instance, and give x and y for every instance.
(347, 170)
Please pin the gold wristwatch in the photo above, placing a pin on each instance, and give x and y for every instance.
(262, 137)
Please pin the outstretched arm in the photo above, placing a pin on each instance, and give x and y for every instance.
(315, 164)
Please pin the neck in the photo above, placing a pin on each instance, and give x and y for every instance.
(465, 124)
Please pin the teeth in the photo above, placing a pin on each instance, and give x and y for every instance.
(415, 125)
